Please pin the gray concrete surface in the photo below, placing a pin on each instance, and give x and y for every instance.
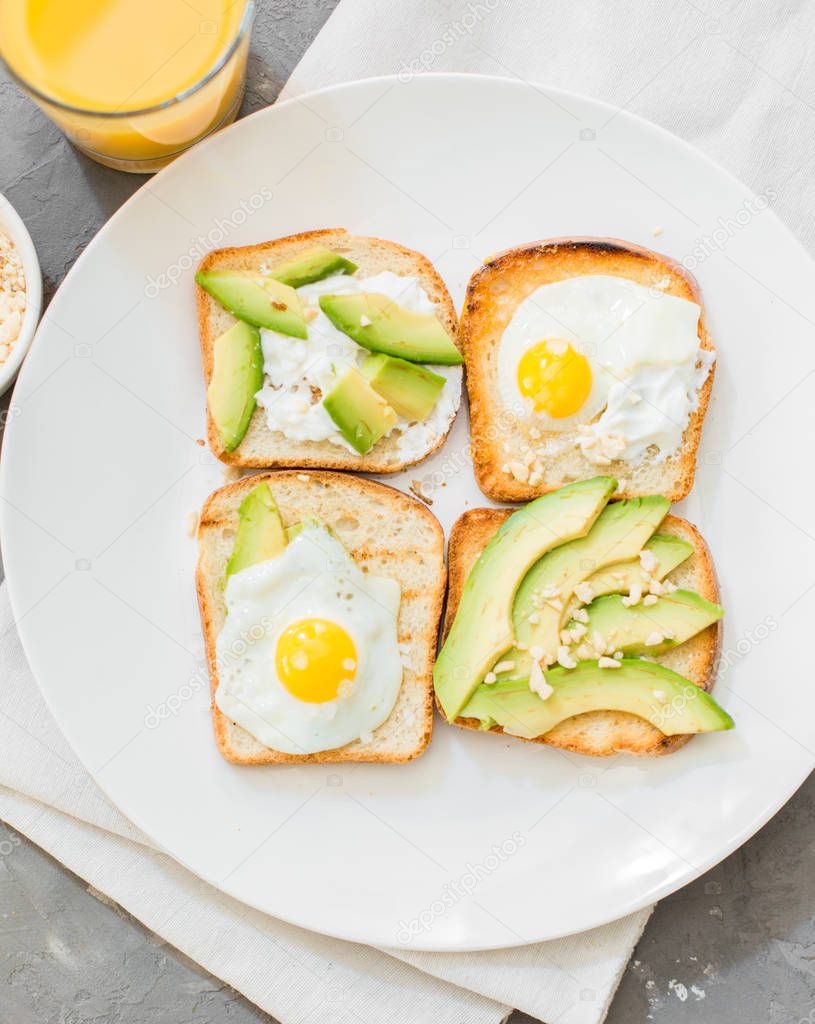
(736, 947)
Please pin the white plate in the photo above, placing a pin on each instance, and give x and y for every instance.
(483, 842)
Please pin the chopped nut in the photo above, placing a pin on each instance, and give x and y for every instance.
(556, 603)
(648, 560)
(536, 652)
(649, 600)
(365, 321)
(668, 587)
(519, 471)
(601, 449)
(538, 684)
(490, 678)
(564, 659)
(634, 596)
(608, 662)
(578, 630)
(504, 666)
(618, 655)
(584, 592)
(654, 639)
(580, 615)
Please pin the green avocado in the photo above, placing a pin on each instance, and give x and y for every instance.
(411, 390)
(619, 534)
(482, 629)
(261, 301)
(237, 376)
(311, 524)
(312, 265)
(619, 579)
(668, 701)
(260, 534)
(379, 324)
(362, 416)
(613, 626)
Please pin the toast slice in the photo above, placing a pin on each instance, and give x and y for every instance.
(388, 534)
(494, 293)
(263, 448)
(601, 733)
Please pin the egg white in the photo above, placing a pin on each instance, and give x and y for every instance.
(642, 346)
(313, 577)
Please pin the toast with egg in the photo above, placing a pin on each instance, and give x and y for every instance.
(513, 459)
(603, 733)
(388, 534)
(263, 448)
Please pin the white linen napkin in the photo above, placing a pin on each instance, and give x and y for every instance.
(735, 79)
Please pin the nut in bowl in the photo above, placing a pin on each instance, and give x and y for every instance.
(20, 293)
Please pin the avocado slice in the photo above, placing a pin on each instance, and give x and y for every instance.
(361, 415)
(619, 579)
(379, 324)
(237, 376)
(260, 534)
(483, 627)
(411, 390)
(613, 626)
(261, 301)
(665, 699)
(619, 534)
(304, 524)
(310, 266)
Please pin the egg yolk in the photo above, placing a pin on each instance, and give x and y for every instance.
(555, 376)
(316, 660)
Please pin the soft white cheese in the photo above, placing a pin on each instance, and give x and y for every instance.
(298, 373)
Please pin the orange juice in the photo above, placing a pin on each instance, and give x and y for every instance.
(132, 82)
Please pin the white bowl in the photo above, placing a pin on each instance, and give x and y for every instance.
(12, 224)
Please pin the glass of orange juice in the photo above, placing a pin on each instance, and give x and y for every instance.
(132, 83)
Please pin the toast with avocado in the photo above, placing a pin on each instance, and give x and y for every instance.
(326, 350)
(283, 559)
(585, 355)
(583, 624)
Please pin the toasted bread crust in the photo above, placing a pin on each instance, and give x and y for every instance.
(414, 551)
(494, 293)
(262, 448)
(601, 733)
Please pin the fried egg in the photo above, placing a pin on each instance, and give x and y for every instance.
(308, 657)
(598, 344)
